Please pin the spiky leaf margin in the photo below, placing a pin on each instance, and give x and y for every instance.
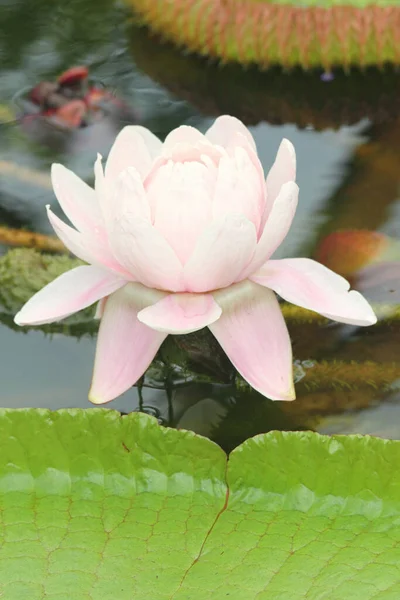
(267, 33)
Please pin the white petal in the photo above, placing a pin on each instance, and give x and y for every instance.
(181, 313)
(129, 150)
(70, 292)
(153, 143)
(100, 308)
(253, 333)
(183, 135)
(239, 187)
(180, 195)
(125, 347)
(89, 249)
(77, 199)
(221, 253)
(145, 253)
(282, 171)
(309, 284)
(276, 227)
(129, 197)
(224, 130)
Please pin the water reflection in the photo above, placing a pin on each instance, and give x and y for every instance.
(276, 95)
(227, 413)
(37, 43)
(369, 260)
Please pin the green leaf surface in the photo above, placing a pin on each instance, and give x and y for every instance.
(289, 33)
(95, 506)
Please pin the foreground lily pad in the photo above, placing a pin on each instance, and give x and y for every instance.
(98, 506)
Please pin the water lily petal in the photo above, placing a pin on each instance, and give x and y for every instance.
(282, 171)
(100, 308)
(240, 141)
(180, 196)
(125, 347)
(221, 253)
(253, 333)
(309, 284)
(106, 189)
(183, 135)
(224, 130)
(83, 246)
(129, 150)
(153, 143)
(239, 187)
(183, 152)
(70, 292)
(276, 227)
(129, 197)
(77, 200)
(89, 249)
(144, 252)
(181, 313)
(102, 188)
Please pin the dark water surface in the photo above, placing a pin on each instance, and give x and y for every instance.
(347, 138)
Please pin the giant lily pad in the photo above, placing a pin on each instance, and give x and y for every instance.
(285, 32)
(275, 95)
(96, 506)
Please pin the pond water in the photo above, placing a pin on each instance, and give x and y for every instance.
(347, 137)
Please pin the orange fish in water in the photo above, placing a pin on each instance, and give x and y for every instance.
(71, 114)
(72, 102)
(73, 76)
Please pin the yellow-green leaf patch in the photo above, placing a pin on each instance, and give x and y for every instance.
(95, 506)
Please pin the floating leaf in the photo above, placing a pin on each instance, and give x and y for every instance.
(23, 272)
(96, 506)
(255, 96)
(285, 32)
(6, 114)
(30, 239)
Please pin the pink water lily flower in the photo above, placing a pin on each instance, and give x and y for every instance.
(179, 236)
